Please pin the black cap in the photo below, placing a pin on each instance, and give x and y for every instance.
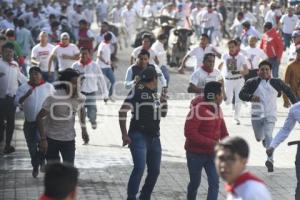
(148, 74)
(35, 69)
(268, 25)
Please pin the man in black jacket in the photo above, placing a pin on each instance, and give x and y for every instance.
(263, 91)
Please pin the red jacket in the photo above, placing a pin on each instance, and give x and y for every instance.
(204, 127)
(272, 44)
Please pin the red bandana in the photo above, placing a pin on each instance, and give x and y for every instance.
(62, 45)
(44, 197)
(240, 180)
(85, 63)
(207, 69)
(34, 86)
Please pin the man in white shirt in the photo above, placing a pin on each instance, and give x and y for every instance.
(30, 97)
(65, 52)
(234, 69)
(129, 21)
(146, 45)
(204, 74)
(254, 55)
(263, 92)
(199, 52)
(159, 50)
(283, 133)
(104, 61)
(10, 77)
(40, 56)
(208, 20)
(248, 30)
(7, 23)
(232, 155)
(288, 22)
(92, 74)
(271, 15)
(76, 16)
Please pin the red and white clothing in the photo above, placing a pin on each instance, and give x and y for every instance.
(59, 51)
(199, 53)
(33, 104)
(247, 187)
(12, 76)
(92, 74)
(233, 82)
(42, 55)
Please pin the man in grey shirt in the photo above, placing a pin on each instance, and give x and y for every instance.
(58, 133)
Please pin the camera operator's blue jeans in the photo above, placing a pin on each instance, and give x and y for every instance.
(144, 149)
(195, 163)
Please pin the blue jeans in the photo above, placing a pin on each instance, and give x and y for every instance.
(287, 40)
(209, 31)
(109, 73)
(297, 163)
(275, 67)
(195, 163)
(48, 78)
(90, 105)
(144, 149)
(165, 72)
(32, 139)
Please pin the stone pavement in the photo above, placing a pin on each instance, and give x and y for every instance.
(105, 166)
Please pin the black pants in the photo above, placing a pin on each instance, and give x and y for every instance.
(32, 139)
(7, 113)
(65, 148)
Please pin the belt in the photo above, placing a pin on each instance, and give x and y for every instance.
(235, 78)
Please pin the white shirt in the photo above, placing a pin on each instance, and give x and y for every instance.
(160, 52)
(267, 107)
(33, 104)
(9, 82)
(92, 74)
(271, 17)
(199, 53)
(128, 17)
(255, 56)
(289, 23)
(42, 55)
(70, 50)
(289, 124)
(104, 48)
(200, 77)
(137, 50)
(250, 190)
(129, 80)
(233, 64)
(210, 19)
(6, 25)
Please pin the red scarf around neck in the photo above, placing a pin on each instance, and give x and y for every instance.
(62, 45)
(240, 180)
(44, 197)
(207, 69)
(85, 63)
(34, 86)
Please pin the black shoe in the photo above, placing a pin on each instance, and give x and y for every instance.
(270, 166)
(35, 172)
(9, 149)
(94, 125)
(264, 143)
(42, 168)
